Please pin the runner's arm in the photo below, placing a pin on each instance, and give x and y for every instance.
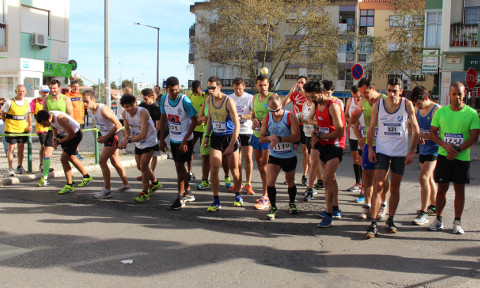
(232, 110)
(63, 121)
(263, 132)
(294, 129)
(68, 102)
(373, 125)
(336, 114)
(412, 118)
(107, 113)
(126, 131)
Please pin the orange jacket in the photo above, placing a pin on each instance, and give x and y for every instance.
(78, 107)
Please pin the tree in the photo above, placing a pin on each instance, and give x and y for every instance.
(250, 34)
(127, 83)
(80, 81)
(113, 85)
(405, 35)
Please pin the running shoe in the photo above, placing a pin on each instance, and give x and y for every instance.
(322, 214)
(228, 182)
(262, 203)
(238, 201)
(304, 180)
(204, 185)
(432, 210)
(191, 176)
(292, 208)
(308, 195)
(85, 181)
(11, 173)
(43, 182)
(233, 188)
(142, 197)
(381, 213)
(360, 199)
(20, 170)
(319, 185)
(66, 189)
(326, 222)
(390, 227)
(215, 206)
(272, 213)
(188, 196)
(104, 194)
(336, 214)
(249, 189)
(154, 187)
(457, 227)
(371, 231)
(421, 219)
(178, 204)
(355, 188)
(436, 225)
(124, 189)
(365, 213)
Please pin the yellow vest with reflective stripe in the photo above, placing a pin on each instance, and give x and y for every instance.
(15, 121)
(38, 107)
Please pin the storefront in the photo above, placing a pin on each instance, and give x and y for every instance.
(14, 71)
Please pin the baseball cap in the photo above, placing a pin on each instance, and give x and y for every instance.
(44, 88)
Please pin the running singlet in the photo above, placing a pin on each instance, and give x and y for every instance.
(351, 134)
(424, 122)
(198, 102)
(15, 121)
(58, 105)
(244, 107)
(307, 128)
(392, 137)
(102, 124)
(298, 99)
(71, 122)
(325, 125)
(455, 128)
(135, 128)
(282, 129)
(261, 109)
(220, 118)
(178, 117)
(367, 117)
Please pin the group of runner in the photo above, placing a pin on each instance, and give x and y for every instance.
(257, 125)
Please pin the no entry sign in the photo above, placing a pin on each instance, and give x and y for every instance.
(357, 71)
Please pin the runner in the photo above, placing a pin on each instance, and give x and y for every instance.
(66, 132)
(298, 99)
(282, 129)
(35, 106)
(178, 110)
(197, 97)
(109, 126)
(459, 127)
(260, 109)
(139, 129)
(153, 109)
(224, 124)
(352, 104)
(329, 139)
(428, 152)
(77, 105)
(391, 114)
(244, 102)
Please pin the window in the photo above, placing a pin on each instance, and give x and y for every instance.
(396, 21)
(367, 18)
(2, 11)
(418, 78)
(34, 20)
(472, 15)
(315, 77)
(291, 76)
(433, 31)
(345, 74)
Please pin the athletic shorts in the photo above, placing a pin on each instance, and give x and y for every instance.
(455, 171)
(179, 156)
(42, 137)
(222, 142)
(426, 158)
(366, 164)
(204, 151)
(353, 143)
(15, 139)
(257, 145)
(112, 141)
(197, 134)
(302, 137)
(49, 139)
(308, 143)
(139, 151)
(329, 152)
(286, 164)
(396, 164)
(70, 147)
(245, 139)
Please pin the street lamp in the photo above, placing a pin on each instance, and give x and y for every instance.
(158, 44)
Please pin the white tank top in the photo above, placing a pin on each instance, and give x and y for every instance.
(392, 137)
(178, 120)
(307, 128)
(244, 106)
(71, 122)
(351, 134)
(102, 124)
(134, 122)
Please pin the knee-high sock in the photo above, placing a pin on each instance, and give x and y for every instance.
(46, 167)
(272, 195)
(358, 173)
(292, 193)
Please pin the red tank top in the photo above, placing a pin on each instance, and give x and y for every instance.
(325, 125)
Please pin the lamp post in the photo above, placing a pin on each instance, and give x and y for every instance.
(158, 45)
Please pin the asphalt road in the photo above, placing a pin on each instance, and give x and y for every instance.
(51, 240)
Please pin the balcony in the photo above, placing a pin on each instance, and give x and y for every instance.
(463, 35)
(191, 58)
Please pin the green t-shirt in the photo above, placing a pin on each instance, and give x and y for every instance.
(205, 113)
(455, 128)
(367, 115)
(261, 109)
(198, 102)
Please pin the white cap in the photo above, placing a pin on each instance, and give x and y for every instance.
(44, 88)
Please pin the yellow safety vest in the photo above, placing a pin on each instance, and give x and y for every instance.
(39, 127)
(15, 121)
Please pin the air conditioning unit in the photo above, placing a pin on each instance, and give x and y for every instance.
(39, 40)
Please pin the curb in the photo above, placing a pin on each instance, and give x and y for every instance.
(57, 173)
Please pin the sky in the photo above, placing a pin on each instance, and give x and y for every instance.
(133, 48)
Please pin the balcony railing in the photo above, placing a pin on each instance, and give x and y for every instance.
(463, 35)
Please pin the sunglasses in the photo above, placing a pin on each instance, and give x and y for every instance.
(211, 87)
(271, 110)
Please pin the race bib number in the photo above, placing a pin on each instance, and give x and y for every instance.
(175, 127)
(282, 147)
(363, 131)
(424, 131)
(219, 126)
(454, 139)
(323, 130)
(392, 129)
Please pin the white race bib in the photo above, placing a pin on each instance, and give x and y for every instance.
(424, 131)
(454, 139)
(219, 126)
(175, 127)
(282, 147)
(391, 129)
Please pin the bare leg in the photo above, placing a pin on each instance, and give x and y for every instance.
(459, 201)
(261, 156)
(21, 149)
(247, 158)
(215, 162)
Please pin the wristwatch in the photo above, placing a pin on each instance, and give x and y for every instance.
(458, 149)
(129, 140)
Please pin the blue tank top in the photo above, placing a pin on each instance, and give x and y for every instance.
(424, 122)
(222, 123)
(281, 128)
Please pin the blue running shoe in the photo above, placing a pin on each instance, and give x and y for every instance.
(336, 214)
(360, 199)
(238, 201)
(326, 222)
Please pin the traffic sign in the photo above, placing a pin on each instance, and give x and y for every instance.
(471, 77)
(357, 71)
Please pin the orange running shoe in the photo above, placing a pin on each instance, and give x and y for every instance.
(262, 203)
(233, 189)
(249, 189)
